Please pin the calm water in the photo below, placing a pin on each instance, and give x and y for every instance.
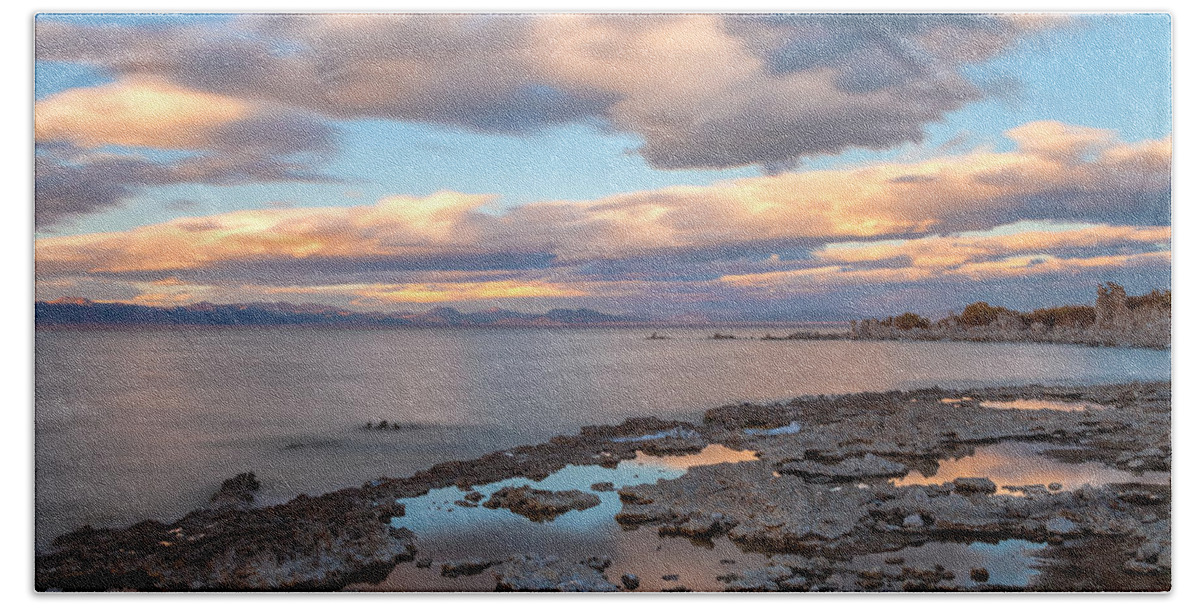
(140, 424)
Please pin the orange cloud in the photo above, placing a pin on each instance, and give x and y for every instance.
(944, 251)
(395, 226)
(1021, 266)
(429, 293)
(862, 202)
(793, 281)
(135, 112)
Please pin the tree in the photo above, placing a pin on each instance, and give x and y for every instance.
(910, 320)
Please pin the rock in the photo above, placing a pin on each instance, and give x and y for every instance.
(1061, 526)
(914, 521)
(864, 467)
(466, 567)
(670, 577)
(1140, 497)
(466, 504)
(700, 526)
(752, 585)
(1164, 557)
(389, 511)
(795, 583)
(631, 581)
(980, 575)
(237, 491)
(1138, 567)
(322, 543)
(1054, 487)
(974, 485)
(548, 573)
(473, 497)
(540, 505)
(424, 562)
(346, 536)
(600, 563)
(603, 486)
(759, 579)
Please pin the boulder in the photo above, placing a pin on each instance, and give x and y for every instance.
(237, 491)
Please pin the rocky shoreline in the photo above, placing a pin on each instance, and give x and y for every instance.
(832, 499)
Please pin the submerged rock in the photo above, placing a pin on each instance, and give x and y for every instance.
(630, 581)
(540, 505)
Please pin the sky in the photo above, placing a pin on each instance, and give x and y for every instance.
(748, 167)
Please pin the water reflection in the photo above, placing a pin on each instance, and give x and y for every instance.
(1018, 463)
(503, 531)
(447, 531)
(1043, 404)
(1011, 563)
(146, 423)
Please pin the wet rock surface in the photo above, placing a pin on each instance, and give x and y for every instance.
(549, 573)
(819, 497)
(466, 567)
(861, 467)
(319, 543)
(540, 505)
(806, 494)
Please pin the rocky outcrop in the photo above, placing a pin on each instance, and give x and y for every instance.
(833, 498)
(319, 543)
(237, 491)
(1116, 320)
(819, 493)
(540, 505)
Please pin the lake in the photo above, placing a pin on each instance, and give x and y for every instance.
(136, 424)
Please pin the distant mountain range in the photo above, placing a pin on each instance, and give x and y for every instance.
(79, 311)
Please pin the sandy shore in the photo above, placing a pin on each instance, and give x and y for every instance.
(1033, 488)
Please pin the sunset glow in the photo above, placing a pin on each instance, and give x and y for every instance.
(685, 164)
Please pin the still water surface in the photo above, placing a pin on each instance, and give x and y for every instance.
(136, 424)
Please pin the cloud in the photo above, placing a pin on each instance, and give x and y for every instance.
(698, 90)
(438, 292)
(1118, 183)
(955, 250)
(212, 139)
(141, 113)
(789, 282)
(769, 243)
(69, 183)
